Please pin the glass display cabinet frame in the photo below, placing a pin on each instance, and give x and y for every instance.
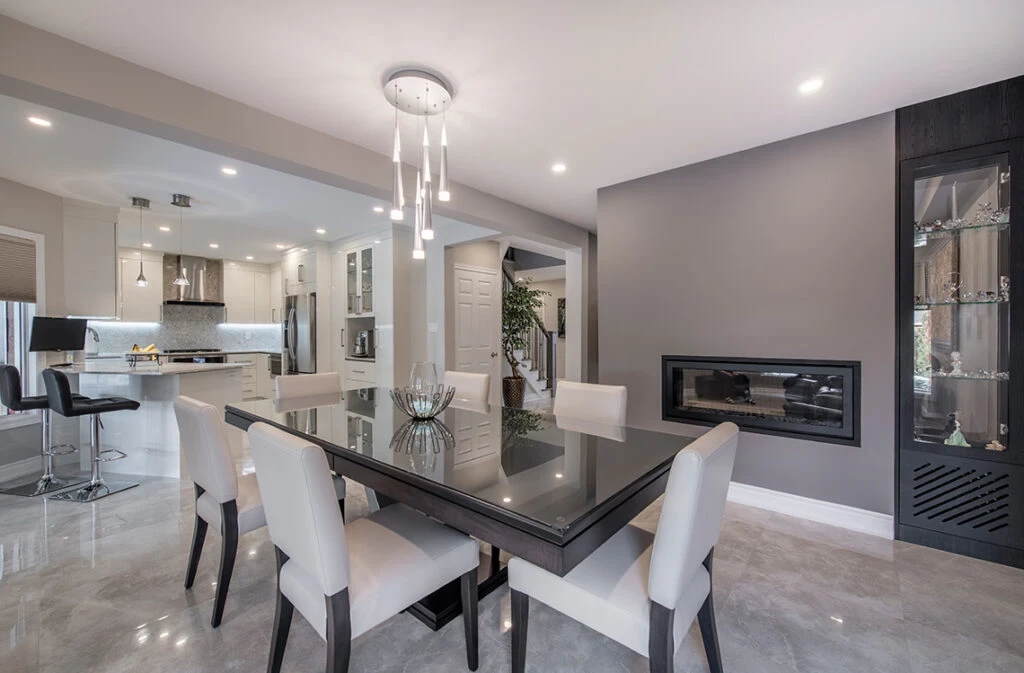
(960, 319)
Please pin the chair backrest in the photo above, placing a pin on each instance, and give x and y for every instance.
(591, 402)
(308, 385)
(205, 445)
(58, 391)
(469, 385)
(10, 387)
(691, 514)
(300, 504)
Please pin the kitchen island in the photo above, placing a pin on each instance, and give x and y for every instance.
(149, 436)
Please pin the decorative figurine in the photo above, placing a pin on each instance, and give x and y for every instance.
(956, 438)
(1004, 288)
(995, 445)
(955, 369)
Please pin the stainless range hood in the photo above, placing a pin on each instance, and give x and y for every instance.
(205, 277)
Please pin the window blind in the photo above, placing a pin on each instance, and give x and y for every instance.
(17, 270)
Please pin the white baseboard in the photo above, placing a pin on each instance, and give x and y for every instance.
(842, 516)
(25, 467)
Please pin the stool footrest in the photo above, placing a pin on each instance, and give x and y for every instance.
(110, 455)
(61, 450)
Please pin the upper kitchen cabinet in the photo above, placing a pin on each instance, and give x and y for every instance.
(359, 281)
(298, 268)
(276, 293)
(90, 260)
(134, 303)
(248, 294)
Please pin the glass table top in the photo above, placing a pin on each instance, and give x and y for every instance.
(550, 470)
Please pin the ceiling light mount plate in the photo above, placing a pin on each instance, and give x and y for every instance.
(418, 92)
(181, 200)
(139, 202)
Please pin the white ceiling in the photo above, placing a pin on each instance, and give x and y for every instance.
(617, 90)
(247, 214)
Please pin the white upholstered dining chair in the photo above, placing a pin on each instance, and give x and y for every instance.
(297, 386)
(639, 589)
(469, 386)
(591, 402)
(346, 579)
(229, 503)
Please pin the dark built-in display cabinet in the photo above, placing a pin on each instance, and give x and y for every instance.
(960, 288)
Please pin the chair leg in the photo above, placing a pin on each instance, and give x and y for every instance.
(470, 620)
(706, 619)
(660, 646)
(282, 621)
(229, 546)
(339, 632)
(520, 625)
(198, 538)
(495, 560)
(341, 505)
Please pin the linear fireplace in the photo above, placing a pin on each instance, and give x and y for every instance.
(808, 399)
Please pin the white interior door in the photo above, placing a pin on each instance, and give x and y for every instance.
(478, 323)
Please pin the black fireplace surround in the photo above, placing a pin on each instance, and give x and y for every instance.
(817, 400)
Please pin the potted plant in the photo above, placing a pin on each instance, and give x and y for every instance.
(519, 304)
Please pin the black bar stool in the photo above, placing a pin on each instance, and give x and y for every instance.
(10, 396)
(58, 391)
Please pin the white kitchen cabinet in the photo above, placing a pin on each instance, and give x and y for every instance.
(276, 293)
(239, 294)
(250, 377)
(359, 281)
(261, 297)
(264, 381)
(139, 304)
(299, 271)
(90, 260)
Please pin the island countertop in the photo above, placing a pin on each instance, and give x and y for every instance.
(103, 366)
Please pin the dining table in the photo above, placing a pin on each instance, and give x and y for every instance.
(545, 488)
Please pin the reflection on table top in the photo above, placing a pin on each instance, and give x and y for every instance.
(551, 470)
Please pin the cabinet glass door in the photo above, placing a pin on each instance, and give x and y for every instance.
(366, 274)
(961, 332)
(352, 284)
(352, 434)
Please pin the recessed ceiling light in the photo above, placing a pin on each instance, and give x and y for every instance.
(376, 241)
(810, 86)
(304, 250)
(378, 209)
(165, 228)
(249, 257)
(214, 245)
(228, 170)
(147, 245)
(39, 121)
(506, 499)
(558, 475)
(558, 167)
(280, 246)
(321, 230)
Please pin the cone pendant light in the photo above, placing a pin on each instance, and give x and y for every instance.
(443, 194)
(427, 232)
(140, 203)
(417, 242)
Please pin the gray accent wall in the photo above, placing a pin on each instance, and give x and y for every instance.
(782, 251)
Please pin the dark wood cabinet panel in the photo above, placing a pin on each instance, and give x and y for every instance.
(984, 115)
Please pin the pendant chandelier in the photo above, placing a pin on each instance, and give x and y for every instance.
(141, 204)
(181, 201)
(423, 94)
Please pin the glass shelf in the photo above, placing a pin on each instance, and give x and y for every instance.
(977, 302)
(963, 377)
(946, 233)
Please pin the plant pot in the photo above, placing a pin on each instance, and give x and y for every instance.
(512, 389)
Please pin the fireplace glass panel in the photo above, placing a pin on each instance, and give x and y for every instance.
(779, 397)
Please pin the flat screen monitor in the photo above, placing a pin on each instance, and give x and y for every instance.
(57, 334)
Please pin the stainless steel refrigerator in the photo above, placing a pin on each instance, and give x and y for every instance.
(300, 334)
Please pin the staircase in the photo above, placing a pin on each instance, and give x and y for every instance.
(537, 362)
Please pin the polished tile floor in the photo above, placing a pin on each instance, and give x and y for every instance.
(99, 588)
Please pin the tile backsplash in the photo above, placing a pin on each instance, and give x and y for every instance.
(185, 327)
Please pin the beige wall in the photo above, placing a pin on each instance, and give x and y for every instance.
(42, 213)
(782, 251)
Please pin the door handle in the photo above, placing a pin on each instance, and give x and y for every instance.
(494, 355)
(301, 273)
(342, 337)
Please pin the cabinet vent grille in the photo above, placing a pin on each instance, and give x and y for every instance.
(961, 496)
